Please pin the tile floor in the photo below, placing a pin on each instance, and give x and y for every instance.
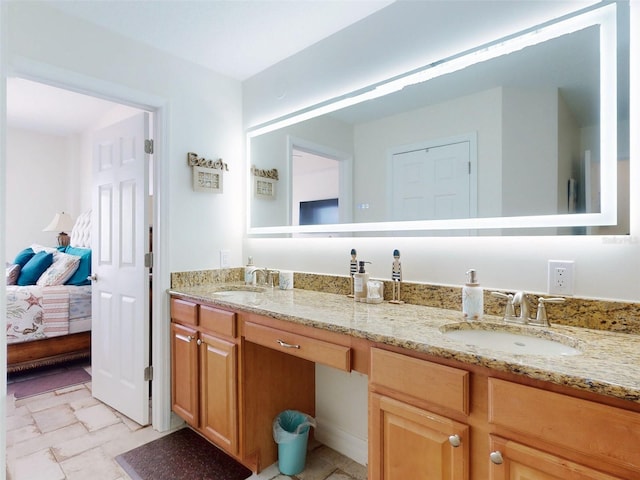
(69, 435)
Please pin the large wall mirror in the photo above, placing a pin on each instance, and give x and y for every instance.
(526, 135)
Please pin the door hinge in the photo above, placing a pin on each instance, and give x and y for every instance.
(148, 146)
(148, 259)
(148, 373)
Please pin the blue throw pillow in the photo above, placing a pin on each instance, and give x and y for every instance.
(24, 256)
(84, 269)
(30, 273)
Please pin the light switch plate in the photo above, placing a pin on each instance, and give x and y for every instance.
(224, 258)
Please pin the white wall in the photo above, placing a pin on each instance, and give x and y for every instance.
(41, 181)
(204, 117)
(48, 174)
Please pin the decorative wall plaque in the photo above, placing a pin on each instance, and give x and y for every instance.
(207, 174)
(264, 182)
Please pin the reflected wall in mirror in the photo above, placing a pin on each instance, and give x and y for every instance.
(519, 134)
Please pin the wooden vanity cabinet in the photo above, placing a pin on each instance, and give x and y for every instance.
(548, 435)
(518, 461)
(204, 387)
(232, 373)
(185, 400)
(406, 439)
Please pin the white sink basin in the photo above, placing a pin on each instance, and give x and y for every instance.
(238, 289)
(502, 338)
(245, 294)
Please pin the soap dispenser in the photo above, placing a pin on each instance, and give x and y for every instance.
(249, 279)
(472, 297)
(360, 280)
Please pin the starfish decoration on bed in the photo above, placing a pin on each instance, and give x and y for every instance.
(32, 300)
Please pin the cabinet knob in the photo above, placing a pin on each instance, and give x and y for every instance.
(496, 457)
(454, 440)
(189, 338)
(199, 342)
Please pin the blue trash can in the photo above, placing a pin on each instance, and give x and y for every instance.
(291, 433)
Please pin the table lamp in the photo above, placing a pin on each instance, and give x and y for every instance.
(61, 222)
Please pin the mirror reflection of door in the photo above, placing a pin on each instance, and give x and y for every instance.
(432, 183)
(315, 195)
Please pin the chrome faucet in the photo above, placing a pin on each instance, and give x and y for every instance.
(520, 299)
(267, 276)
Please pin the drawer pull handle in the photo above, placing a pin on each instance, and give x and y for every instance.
(454, 440)
(287, 345)
(496, 457)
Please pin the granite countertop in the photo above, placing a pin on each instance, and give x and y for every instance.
(607, 363)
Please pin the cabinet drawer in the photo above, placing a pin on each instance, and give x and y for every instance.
(317, 351)
(438, 384)
(184, 312)
(602, 432)
(218, 321)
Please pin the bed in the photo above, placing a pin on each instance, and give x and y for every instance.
(49, 302)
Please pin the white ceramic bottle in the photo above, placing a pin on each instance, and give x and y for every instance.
(360, 280)
(472, 297)
(249, 278)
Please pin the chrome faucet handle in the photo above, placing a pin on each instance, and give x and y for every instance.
(509, 312)
(541, 315)
(270, 274)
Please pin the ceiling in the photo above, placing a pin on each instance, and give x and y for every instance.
(237, 38)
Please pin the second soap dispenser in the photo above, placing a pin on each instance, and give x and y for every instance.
(360, 280)
(472, 297)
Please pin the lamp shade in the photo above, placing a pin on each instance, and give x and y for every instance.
(61, 222)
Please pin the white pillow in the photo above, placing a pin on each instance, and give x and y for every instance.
(39, 248)
(61, 270)
(13, 272)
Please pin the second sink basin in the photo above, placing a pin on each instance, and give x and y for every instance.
(511, 339)
(236, 289)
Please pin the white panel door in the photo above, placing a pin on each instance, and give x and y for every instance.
(432, 183)
(120, 298)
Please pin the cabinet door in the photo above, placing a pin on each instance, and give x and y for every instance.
(184, 373)
(408, 442)
(520, 462)
(218, 398)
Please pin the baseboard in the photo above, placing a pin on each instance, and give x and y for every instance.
(341, 441)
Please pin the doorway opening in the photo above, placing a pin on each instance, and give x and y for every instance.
(320, 184)
(40, 115)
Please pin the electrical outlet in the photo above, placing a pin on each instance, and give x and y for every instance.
(224, 258)
(560, 277)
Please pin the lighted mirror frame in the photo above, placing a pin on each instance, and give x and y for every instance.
(604, 17)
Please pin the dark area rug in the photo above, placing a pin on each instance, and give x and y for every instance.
(181, 455)
(46, 379)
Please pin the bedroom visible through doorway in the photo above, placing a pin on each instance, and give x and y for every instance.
(48, 157)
